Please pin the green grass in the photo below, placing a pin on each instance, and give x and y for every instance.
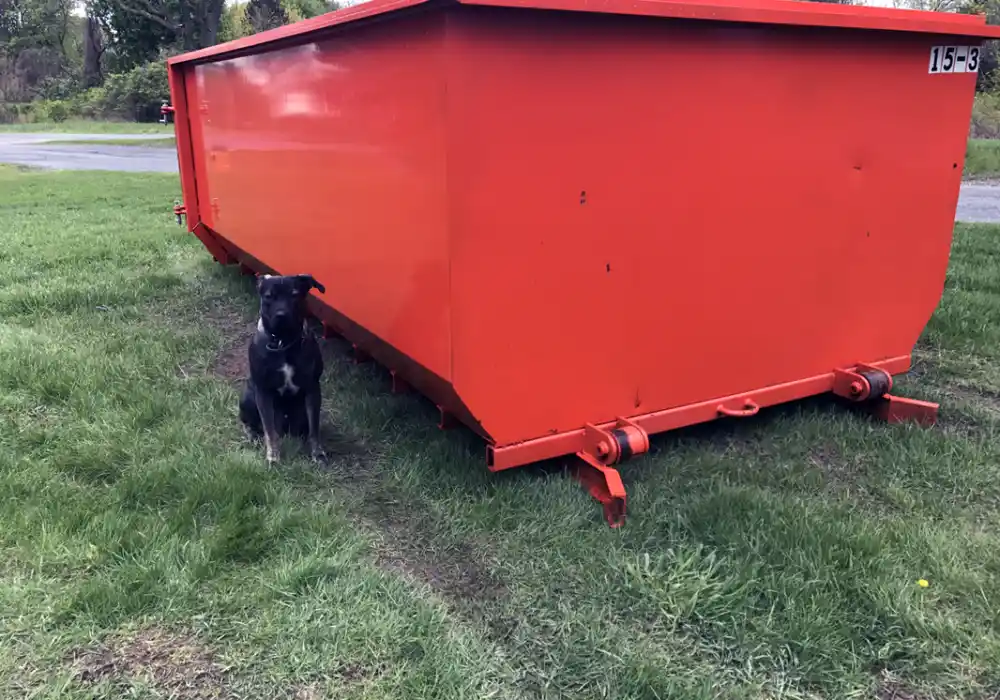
(87, 126)
(168, 142)
(147, 551)
(982, 158)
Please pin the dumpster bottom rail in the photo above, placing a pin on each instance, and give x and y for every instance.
(601, 447)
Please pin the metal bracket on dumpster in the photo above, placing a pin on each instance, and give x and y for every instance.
(180, 211)
(862, 383)
(872, 385)
(165, 109)
(604, 448)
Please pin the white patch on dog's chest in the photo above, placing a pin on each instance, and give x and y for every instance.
(289, 386)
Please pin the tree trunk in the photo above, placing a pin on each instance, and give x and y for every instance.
(92, 50)
(203, 30)
(212, 21)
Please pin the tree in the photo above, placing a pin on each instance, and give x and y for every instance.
(35, 45)
(265, 14)
(990, 61)
(93, 50)
(138, 31)
(244, 19)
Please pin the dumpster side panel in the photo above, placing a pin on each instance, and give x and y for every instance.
(651, 214)
(328, 158)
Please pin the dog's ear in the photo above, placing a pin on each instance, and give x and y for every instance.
(260, 282)
(306, 282)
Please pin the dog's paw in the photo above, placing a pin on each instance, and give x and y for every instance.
(317, 453)
(273, 457)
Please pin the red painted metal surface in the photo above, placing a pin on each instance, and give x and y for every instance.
(777, 12)
(645, 211)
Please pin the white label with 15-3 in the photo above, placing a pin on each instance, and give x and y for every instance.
(954, 59)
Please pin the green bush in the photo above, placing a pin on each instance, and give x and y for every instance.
(132, 96)
(985, 116)
(52, 111)
(90, 104)
(15, 112)
(137, 94)
(62, 87)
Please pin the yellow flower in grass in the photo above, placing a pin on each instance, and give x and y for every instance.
(923, 583)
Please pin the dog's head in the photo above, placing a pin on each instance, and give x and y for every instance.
(283, 302)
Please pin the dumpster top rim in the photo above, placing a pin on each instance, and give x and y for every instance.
(777, 12)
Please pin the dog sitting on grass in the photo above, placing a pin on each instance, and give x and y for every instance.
(282, 395)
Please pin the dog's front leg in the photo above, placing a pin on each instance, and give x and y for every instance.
(313, 400)
(269, 421)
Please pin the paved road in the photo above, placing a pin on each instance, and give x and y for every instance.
(979, 201)
(32, 149)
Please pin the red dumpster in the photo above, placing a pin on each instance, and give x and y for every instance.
(574, 224)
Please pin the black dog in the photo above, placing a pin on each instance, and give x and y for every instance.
(282, 394)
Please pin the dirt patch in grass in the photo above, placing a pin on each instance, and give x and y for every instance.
(410, 543)
(966, 410)
(981, 397)
(236, 330)
(453, 570)
(176, 665)
(841, 471)
(844, 475)
(232, 363)
(892, 688)
(350, 674)
(456, 571)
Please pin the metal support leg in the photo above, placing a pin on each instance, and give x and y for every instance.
(447, 419)
(399, 385)
(604, 483)
(896, 409)
(360, 356)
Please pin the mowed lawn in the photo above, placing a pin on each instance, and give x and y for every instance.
(89, 126)
(165, 142)
(147, 550)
